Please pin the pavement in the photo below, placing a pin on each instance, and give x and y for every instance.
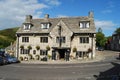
(100, 56)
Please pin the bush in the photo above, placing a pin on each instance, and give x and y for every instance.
(21, 58)
(49, 56)
(37, 57)
(30, 56)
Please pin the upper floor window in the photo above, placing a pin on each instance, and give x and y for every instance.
(84, 24)
(25, 39)
(60, 39)
(84, 39)
(44, 39)
(27, 26)
(45, 25)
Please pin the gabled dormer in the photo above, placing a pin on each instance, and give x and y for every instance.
(84, 24)
(27, 24)
(45, 25)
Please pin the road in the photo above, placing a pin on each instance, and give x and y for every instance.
(80, 71)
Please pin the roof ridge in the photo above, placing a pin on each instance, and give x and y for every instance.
(62, 17)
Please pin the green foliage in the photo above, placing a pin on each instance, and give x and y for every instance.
(29, 47)
(48, 47)
(100, 38)
(74, 49)
(117, 31)
(100, 30)
(37, 57)
(37, 47)
(7, 36)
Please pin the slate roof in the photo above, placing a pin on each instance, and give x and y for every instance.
(71, 22)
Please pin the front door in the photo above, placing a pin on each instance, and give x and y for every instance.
(61, 53)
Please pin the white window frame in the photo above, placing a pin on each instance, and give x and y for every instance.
(84, 25)
(27, 26)
(45, 25)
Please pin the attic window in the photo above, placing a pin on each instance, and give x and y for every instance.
(84, 25)
(27, 26)
(45, 25)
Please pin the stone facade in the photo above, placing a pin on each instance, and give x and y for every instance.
(115, 42)
(56, 38)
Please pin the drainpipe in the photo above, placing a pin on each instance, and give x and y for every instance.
(59, 32)
(92, 46)
(17, 47)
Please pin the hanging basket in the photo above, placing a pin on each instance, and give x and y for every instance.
(38, 47)
(74, 49)
(29, 47)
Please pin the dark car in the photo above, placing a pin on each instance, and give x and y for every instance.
(14, 60)
(100, 48)
(11, 59)
(1, 60)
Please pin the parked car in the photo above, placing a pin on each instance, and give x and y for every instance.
(100, 48)
(1, 60)
(14, 60)
(11, 59)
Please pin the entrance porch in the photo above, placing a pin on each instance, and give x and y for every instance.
(61, 53)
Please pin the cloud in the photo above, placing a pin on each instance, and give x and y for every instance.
(53, 2)
(62, 16)
(106, 25)
(109, 8)
(12, 12)
(107, 11)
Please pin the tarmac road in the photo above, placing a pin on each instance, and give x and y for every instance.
(79, 71)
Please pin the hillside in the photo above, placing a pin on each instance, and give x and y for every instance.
(7, 36)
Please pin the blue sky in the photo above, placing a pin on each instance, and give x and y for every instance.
(106, 12)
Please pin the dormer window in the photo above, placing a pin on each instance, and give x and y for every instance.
(27, 26)
(45, 25)
(84, 25)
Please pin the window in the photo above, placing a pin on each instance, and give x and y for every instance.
(44, 39)
(24, 51)
(84, 39)
(45, 25)
(81, 54)
(62, 39)
(27, 26)
(34, 51)
(78, 54)
(43, 52)
(25, 39)
(84, 25)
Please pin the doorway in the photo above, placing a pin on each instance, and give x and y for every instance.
(61, 53)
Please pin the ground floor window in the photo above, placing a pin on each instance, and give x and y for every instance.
(81, 54)
(43, 52)
(24, 51)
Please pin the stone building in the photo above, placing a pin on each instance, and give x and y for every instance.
(115, 42)
(57, 38)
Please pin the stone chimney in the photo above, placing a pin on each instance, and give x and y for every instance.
(46, 16)
(28, 18)
(91, 15)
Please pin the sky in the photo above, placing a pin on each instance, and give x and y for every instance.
(106, 12)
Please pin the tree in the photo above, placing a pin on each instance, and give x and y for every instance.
(100, 38)
(100, 30)
(117, 31)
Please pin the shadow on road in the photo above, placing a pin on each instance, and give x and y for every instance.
(111, 74)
